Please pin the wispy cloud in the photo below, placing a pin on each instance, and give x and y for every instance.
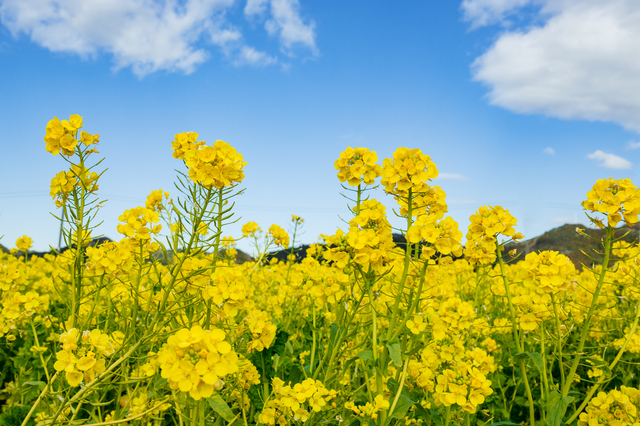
(451, 176)
(610, 161)
(250, 56)
(549, 151)
(152, 35)
(633, 144)
(572, 60)
(285, 22)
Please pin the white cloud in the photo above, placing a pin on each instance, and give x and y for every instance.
(285, 22)
(451, 176)
(487, 12)
(145, 35)
(549, 151)
(578, 61)
(610, 161)
(255, 7)
(633, 145)
(250, 56)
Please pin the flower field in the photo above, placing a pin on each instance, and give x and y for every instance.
(150, 330)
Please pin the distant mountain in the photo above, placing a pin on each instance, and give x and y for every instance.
(563, 239)
(567, 241)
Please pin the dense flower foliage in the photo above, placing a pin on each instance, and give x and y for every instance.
(378, 324)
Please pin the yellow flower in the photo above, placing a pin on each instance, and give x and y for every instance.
(250, 229)
(357, 166)
(24, 243)
(618, 200)
(279, 235)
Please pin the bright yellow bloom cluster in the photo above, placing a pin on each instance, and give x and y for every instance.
(357, 166)
(409, 169)
(184, 142)
(60, 135)
(489, 221)
(250, 229)
(549, 271)
(83, 356)
(17, 304)
(465, 387)
(24, 243)
(262, 331)
(113, 258)
(228, 288)
(615, 408)
(279, 235)
(443, 236)
(617, 199)
(62, 185)
(154, 200)
(452, 317)
(194, 360)
(138, 223)
(368, 410)
(294, 403)
(215, 166)
(486, 224)
(247, 373)
(369, 241)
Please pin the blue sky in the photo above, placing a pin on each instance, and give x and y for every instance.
(522, 103)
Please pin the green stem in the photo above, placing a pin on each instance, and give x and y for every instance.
(519, 343)
(587, 322)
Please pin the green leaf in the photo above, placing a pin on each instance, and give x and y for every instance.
(535, 356)
(220, 406)
(403, 405)
(40, 385)
(396, 354)
(365, 356)
(557, 407)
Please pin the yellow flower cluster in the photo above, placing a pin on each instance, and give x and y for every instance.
(250, 229)
(138, 223)
(549, 271)
(228, 288)
(83, 356)
(24, 243)
(369, 241)
(443, 236)
(409, 169)
(369, 410)
(486, 224)
(295, 402)
(357, 166)
(195, 360)
(62, 185)
(279, 235)
(60, 135)
(113, 258)
(262, 331)
(17, 304)
(615, 408)
(214, 166)
(154, 200)
(617, 199)
(466, 387)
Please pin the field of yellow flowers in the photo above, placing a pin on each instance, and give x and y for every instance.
(172, 331)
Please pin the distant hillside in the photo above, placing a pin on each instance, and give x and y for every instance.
(563, 239)
(567, 241)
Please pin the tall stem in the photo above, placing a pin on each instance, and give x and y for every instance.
(592, 307)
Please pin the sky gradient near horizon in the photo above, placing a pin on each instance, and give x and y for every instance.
(521, 103)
